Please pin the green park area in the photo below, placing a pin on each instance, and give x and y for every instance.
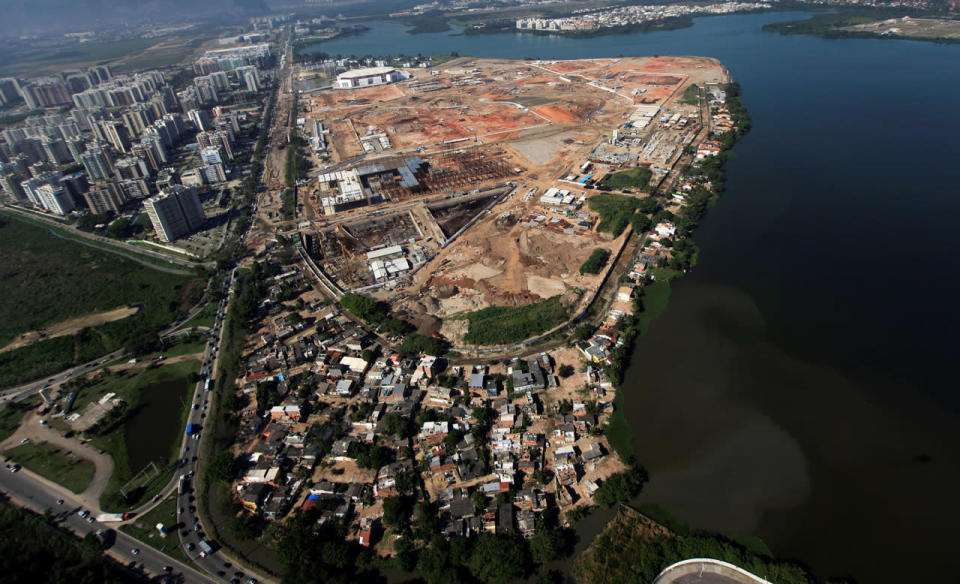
(691, 95)
(12, 415)
(49, 279)
(144, 528)
(635, 178)
(142, 434)
(190, 344)
(122, 55)
(595, 262)
(618, 211)
(206, 317)
(499, 325)
(145, 440)
(53, 463)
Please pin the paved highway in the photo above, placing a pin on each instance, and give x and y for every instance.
(29, 491)
(32, 491)
(23, 391)
(36, 493)
(111, 244)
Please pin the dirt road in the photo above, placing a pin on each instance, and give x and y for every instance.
(103, 464)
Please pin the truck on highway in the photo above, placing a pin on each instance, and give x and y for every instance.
(113, 517)
(206, 385)
(191, 429)
(206, 548)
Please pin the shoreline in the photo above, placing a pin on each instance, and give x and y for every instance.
(837, 25)
(658, 291)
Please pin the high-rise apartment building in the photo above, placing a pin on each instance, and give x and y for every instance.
(212, 173)
(116, 133)
(8, 90)
(175, 212)
(56, 199)
(96, 163)
(200, 119)
(104, 197)
(11, 185)
(32, 186)
(48, 92)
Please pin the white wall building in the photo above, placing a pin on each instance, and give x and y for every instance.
(368, 77)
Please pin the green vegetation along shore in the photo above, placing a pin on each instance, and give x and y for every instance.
(169, 391)
(635, 548)
(835, 25)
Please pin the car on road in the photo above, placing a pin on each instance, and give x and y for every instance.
(15, 468)
(90, 520)
(59, 501)
(190, 547)
(83, 513)
(135, 551)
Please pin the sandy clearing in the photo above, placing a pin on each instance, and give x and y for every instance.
(545, 287)
(71, 326)
(478, 271)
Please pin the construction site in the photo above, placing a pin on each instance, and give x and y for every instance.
(467, 186)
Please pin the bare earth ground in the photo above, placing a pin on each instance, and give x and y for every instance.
(542, 119)
(70, 326)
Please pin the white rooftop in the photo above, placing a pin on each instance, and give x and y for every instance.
(366, 72)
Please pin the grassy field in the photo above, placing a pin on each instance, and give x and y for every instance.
(69, 470)
(37, 59)
(691, 95)
(144, 528)
(635, 178)
(595, 262)
(206, 317)
(187, 347)
(616, 211)
(12, 415)
(48, 279)
(129, 386)
(498, 325)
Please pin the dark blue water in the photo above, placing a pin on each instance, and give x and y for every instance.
(800, 386)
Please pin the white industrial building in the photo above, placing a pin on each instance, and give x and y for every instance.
(350, 187)
(368, 77)
(387, 269)
(555, 196)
